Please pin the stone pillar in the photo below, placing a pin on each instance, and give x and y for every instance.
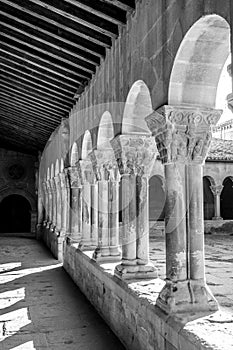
(40, 210)
(216, 190)
(58, 204)
(45, 203)
(75, 204)
(54, 204)
(65, 202)
(107, 175)
(135, 155)
(86, 176)
(50, 204)
(183, 136)
(94, 213)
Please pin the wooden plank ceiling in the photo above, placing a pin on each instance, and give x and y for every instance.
(49, 50)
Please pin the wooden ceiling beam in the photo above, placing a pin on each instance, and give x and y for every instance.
(126, 5)
(30, 97)
(51, 42)
(9, 31)
(20, 129)
(61, 22)
(18, 106)
(32, 122)
(37, 67)
(31, 131)
(103, 10)
(79, 16)
(51, 30)
(35, 74)
(31, 104)
(24, 52)
(7, 72)
(7, 79)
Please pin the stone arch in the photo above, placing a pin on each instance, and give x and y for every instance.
(208, 197)
(137, 106)
(21, 192)
(105, 131)
(86, 144)
(74, 158)
(199, 63)
(157, 197)
(226, 201)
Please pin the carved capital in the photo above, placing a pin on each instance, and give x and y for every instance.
(53, 184)
(57, 182)
(85, 171)
(64, 179)
(104, 165)
(182, 134)
(134, 154)
(74, 177)
(216, 189)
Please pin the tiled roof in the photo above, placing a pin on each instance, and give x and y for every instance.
(221, 150)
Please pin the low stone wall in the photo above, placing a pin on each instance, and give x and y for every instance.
(157, 229)
(129, 308)
(53, 242)
(219, 227)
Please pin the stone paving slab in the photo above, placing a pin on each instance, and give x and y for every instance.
(41, 308)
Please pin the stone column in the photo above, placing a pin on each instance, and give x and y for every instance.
(94, 213)
(65, 202)
(135, 155)
(50, 204)
(107, 175)
(46, 202)
(86, 176)
(58, 204)
(183, 136)
(54, 204)
(75, 204)
(216, 190)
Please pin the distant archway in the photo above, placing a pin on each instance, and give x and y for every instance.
(74, 158)
(156, 198)
(15, 214)
(208, 198)
(227, 199)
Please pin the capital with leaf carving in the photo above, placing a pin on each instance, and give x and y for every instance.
(134, 154)
(182, 133)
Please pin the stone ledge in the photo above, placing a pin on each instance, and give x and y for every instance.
(129, 309)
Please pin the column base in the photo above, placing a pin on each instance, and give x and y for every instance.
(217, 218)
(135, 271)
(186, 297)
(100, 258)
(86, 245)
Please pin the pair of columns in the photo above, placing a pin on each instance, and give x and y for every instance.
(217, 190)
(183, 136)
(56, 203)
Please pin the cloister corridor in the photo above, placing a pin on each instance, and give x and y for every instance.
(41, 308)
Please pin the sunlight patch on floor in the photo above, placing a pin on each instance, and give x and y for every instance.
(11, 297)
(12, 322)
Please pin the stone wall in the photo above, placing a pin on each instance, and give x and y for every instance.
(130, 310)
(17, 176)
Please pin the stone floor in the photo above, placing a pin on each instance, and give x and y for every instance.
(40, 306)
(219, 265)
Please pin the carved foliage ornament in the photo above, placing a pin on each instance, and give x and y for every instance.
(104, 165)
(74, 177)
(134, 154)
(85, 171)
(182, 133)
